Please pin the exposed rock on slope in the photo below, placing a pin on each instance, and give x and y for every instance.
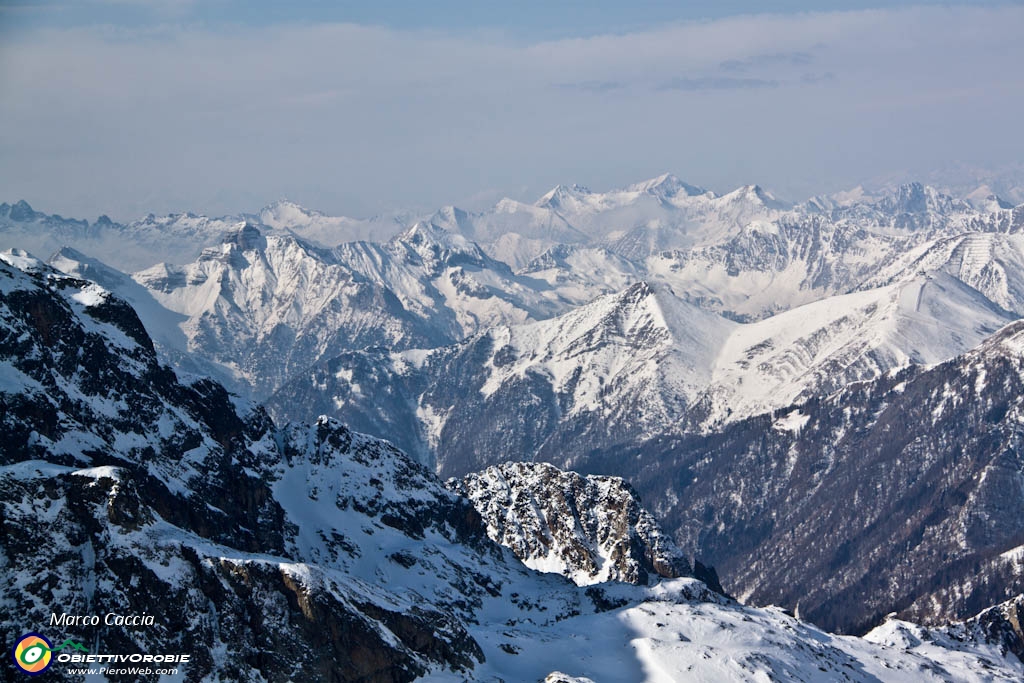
(591, 529)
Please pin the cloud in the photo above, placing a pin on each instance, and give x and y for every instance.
(812, 78)
(717, 83)
(775, 59)
(360, 119)
(592, 86)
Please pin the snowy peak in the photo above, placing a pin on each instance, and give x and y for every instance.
(20, 212)
(236, 241)
(639, 347)
(268, 306)
(589, 529)
(556, 198)
(918, 199)
(21, 216)
(428, 233)
(576, 198)
(330, 231)
(435, 244)
(819, 347)
(843, 198)
(287, 214)
(246, 237)
(666, 186)
(453, 219)
(77, 264)
(28, 274)
(642, 316)
(983, 198)
(754, 196)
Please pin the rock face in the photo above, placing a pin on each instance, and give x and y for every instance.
(1003, 623)
(591, 529)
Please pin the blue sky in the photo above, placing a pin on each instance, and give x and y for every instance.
(528, 19)
(130, 106)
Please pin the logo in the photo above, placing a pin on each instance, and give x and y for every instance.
(33, 653)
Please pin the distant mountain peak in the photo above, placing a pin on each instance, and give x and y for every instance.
(246, 236)
(559, 193)
(285, 207)
(751, 197)
(984, 199)
(666, 185)
(453, 219)
(451, 211)
(758, 194)
(917, 198)
(433, 241)
(22, 212)
(638, 291)
(424, 231)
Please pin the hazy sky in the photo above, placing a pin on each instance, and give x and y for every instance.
(130, 106)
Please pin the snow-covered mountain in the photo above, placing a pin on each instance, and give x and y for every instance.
(265, 307)
(742, 254)
(165, 327)
(178, 238)
(448, 280)
(330, 231)
(594, 330)
(755, 262)
(633, 365)
(311, 552)
(638, 220)
(511, 231)
(991, 263)
(904, 493)
(618, 367)
(665, 214)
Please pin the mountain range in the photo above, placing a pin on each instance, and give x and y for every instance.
(310, 551)
(819, 399)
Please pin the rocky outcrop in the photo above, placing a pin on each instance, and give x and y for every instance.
(1002, 624)
(591, 529)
